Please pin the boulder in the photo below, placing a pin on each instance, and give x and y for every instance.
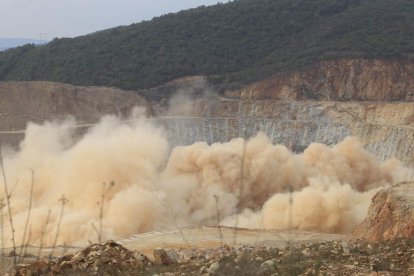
(390, 215)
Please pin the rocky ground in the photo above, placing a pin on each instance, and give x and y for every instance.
(391, 214)
(382, 245)
(393, 257)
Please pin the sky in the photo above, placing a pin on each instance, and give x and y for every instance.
(69, 18)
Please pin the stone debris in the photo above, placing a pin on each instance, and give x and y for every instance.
(390, 215)
(108, 259)
(268, 264)
(165, 257)
(214, 267)
(391, 257)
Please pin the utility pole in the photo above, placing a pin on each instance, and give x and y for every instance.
(42, 38)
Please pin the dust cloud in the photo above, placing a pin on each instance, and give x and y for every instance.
(254, 183)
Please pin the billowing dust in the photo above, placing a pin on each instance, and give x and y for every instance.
(252, 183)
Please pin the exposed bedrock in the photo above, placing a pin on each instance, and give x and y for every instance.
(385, 129)
(342, 79)
(21, 102)
(39, 101)
(390, 215)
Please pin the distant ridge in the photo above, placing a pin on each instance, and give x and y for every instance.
(6, 43)
(232, 44)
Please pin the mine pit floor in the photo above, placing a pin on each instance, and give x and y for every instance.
(200, 237)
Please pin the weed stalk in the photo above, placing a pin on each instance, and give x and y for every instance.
(63, 202)
(43, 234)
(2, 205)
(27, 242)
(241, 190)
(101, 204)
(216, 197)
(6, 191)
(28, 216)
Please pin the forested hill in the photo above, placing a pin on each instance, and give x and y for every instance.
(6, 43)
(233, 43)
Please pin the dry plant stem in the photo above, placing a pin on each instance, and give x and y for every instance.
(28, 216)
(64, 250)
(43, 234)
(27, 242)
(14, 187)
(96, 230)
(2, 228)
(101, 214)
(290, 214)
(216, 197)
(173, 219)
(260, 227)
(101, 208)
(236, 224)
(63, 201)
(405, 182)
(180, 231)
(8, 205)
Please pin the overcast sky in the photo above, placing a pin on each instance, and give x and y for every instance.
(69, 18)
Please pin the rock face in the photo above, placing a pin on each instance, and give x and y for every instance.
(370, 99)
(390, 215)
(385, 129)
(21, 102)
(343, 80)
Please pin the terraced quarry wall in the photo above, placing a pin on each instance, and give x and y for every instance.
(385, 129)
(338, 80)
(325, 102)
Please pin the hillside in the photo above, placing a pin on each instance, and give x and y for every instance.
(338, 80)
(6, 43)
(23, 102)
(39, 101)
(384, 128)
(233, 44)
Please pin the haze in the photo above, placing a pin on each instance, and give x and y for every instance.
(64, 18)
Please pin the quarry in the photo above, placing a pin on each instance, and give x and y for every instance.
(250, 137)
(255, 181)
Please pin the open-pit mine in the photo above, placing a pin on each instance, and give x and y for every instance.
(295, 158)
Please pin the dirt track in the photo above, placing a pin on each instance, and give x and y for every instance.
(203, 237)
(209, 237)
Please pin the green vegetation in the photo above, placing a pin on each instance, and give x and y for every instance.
(234, 43)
